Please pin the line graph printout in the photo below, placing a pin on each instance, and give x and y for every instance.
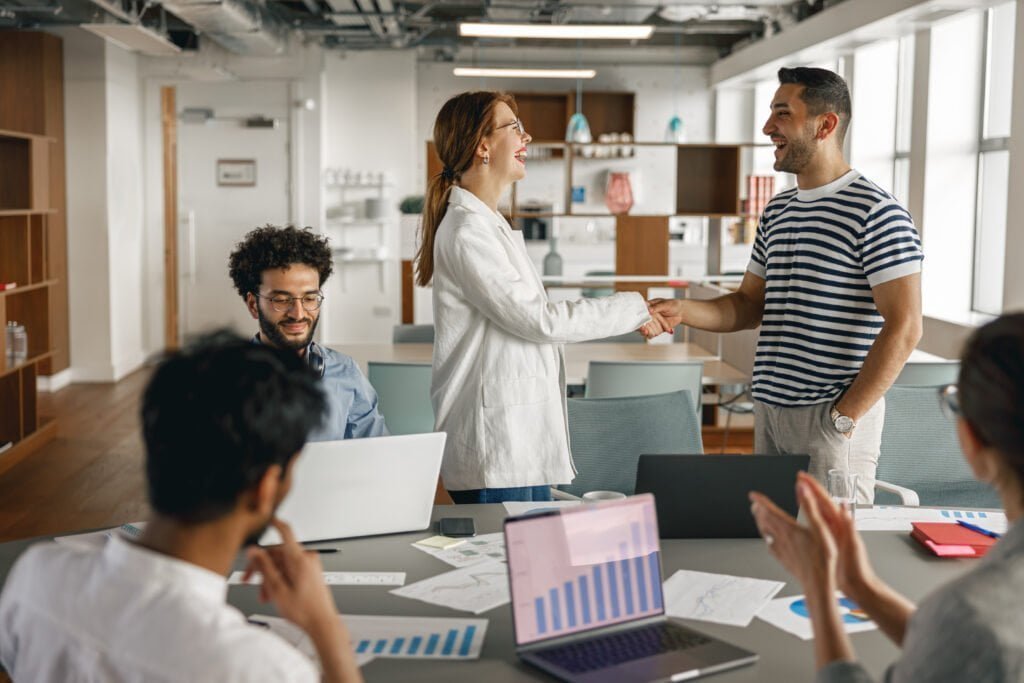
(589, 566)
(477, 589)
(718, 598)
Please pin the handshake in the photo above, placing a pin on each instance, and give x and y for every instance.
(666, 314)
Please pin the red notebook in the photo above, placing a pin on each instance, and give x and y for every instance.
(951, 540)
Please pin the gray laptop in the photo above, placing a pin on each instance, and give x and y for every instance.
(362, 487)
(587, 603)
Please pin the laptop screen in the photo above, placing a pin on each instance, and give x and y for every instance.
(583, 568)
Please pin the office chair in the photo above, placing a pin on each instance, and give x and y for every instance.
(608, 436)
(412, 334)
(404, 393)
(642, 378)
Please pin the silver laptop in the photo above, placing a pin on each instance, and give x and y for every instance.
(362, 487)
(587, 602)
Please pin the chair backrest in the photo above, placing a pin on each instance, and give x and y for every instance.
(404, 393)
(929, 374)
(607, 379)
(598, 292)
(608, 436)
(412, 334)
(920, 451)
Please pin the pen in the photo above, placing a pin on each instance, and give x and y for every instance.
(324, 551)
(972, 527)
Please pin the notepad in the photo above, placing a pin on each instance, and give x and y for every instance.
(951, 540)
(441, 542)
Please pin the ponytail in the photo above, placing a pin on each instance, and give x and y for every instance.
(461, 125)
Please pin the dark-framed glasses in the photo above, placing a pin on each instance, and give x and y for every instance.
(518, 124)
(283, 302)
(949, 400)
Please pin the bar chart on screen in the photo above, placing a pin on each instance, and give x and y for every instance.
(573, 572)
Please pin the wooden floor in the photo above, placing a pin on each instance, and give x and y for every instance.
(91, 475)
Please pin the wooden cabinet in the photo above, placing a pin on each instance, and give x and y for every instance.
(32, 232)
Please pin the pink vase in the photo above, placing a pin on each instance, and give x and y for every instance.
(618, 196)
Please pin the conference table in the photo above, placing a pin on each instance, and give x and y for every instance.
(577, 357)
(783, 657)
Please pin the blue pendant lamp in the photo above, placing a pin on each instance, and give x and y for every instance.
(578, 129)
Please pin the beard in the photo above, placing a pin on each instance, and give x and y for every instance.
(271, 333)
(799, 153)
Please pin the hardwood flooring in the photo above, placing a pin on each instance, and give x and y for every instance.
(91, 475)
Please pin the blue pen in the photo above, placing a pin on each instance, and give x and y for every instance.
(986, 532)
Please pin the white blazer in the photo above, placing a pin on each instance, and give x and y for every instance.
(498, 386)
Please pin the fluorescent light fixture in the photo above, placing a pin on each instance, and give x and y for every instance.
(561, 31)
(135, 38)
(523, 73)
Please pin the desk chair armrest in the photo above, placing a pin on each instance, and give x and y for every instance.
(907, 496)
(557, 494)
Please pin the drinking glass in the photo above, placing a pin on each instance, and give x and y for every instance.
(842, 487)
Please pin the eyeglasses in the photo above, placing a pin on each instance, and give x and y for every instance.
(282, 302)
(519, 128)
(949, 400)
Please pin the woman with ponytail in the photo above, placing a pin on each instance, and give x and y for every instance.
(498, 386)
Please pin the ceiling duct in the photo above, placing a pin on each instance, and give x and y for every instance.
(239, 26)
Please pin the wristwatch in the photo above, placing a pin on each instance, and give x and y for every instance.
(844, 424)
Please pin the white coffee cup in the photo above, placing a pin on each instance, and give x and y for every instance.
(598, 496)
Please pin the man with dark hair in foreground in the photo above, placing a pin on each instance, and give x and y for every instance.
(834, 281)
(223, 422)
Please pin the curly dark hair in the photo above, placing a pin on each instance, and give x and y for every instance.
(276, 247)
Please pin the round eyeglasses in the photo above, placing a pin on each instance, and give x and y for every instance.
(518, 124)
(282, 302)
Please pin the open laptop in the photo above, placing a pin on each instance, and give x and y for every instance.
(706, 496)
(587, 604)
(362, 487)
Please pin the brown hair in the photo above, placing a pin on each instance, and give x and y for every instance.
(462, 123)
(991, 387)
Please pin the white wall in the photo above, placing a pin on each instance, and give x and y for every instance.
(369, 125)
(104, 160)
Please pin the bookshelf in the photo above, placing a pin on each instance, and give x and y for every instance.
(32, 233)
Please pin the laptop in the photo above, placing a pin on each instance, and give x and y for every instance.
(706, 496)
(587, 604)
(362, 487)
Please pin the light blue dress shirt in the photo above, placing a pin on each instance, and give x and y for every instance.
(352, 411)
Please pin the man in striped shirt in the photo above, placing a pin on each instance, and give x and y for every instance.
(834, 281)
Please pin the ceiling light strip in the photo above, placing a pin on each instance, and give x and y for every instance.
(476, 72)
(561, 31)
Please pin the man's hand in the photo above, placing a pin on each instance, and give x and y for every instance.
(669, 310)
(293, 580)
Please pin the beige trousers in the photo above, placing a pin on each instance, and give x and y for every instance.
(809, 429)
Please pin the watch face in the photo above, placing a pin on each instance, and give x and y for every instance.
(844, 424)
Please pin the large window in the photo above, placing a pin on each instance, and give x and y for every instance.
(993, 160)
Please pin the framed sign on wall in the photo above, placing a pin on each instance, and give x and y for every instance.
(236, 172)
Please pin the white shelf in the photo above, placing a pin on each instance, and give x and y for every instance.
(357, 222)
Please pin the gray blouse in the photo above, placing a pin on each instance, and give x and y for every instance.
(971, 629)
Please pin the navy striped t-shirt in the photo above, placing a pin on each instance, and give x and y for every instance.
(820, 252)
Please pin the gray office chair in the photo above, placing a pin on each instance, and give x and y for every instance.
(404, 393)
(412, 334)
(642, 378)
(921, 461)
(929, 374)
(608, 436)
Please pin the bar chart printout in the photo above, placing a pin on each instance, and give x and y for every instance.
(587, 567)
(417, 638)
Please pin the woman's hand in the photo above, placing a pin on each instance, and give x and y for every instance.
(809, 553)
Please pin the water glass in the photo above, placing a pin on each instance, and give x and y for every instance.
(842, 488)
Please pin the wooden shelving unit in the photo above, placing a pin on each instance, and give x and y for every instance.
(33, 233)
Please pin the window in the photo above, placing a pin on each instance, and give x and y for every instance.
(993, 160)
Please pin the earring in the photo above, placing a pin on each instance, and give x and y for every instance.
(487, 159)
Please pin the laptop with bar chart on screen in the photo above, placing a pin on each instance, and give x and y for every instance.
(587, 601)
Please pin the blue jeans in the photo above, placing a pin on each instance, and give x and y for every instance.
(520, 493)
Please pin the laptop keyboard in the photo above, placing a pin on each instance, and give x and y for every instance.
(619, 648)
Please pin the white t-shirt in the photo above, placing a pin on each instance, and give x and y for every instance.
(120, 612)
